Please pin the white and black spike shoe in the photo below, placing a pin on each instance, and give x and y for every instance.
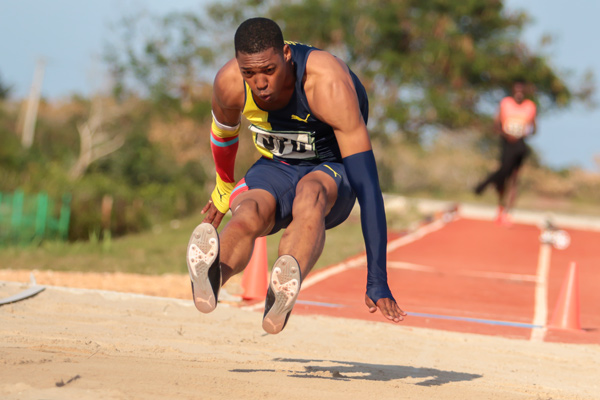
(284, 286)
(204, 267)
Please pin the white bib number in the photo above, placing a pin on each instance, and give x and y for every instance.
(296, 145)
(517, 127)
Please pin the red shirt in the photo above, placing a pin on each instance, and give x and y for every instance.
(517, 119)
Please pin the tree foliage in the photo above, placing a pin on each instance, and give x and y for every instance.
(5, 89)
(146, 180)
(163, 57)
(428, 64)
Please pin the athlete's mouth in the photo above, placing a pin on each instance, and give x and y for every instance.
(265, 96)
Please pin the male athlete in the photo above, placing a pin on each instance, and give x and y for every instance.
(514, 122)
(308, 115)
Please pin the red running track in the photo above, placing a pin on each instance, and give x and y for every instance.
(469, 276)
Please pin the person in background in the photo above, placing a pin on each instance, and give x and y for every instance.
(514, 122)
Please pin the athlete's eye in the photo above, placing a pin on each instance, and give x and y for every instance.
(247, 74)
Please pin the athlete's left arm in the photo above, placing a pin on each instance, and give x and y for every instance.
(533, 123)
(332, 99)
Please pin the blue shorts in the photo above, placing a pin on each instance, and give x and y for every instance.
(280, 180)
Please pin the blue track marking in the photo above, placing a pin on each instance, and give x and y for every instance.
(436, 316)
(320, 304)
(476, 320)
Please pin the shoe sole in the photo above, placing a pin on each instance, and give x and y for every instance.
(284, 286)
(205, 273)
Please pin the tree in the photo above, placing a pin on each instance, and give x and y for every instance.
(5, 89)
(96, 141)
(427, 64)
(160, 57)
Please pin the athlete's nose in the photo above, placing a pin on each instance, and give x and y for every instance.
(261, 83)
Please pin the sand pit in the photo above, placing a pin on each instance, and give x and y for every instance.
(67, 343)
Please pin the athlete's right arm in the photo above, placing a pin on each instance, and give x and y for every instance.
(227, 103)
(499, 128)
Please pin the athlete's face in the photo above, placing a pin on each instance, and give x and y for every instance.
(265, 73)
(519, 92)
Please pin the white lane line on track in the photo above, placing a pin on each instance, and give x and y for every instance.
(362, 260)
(540, 315)
(416, 235)
(320, 276)
(474, 274)
(317, 277)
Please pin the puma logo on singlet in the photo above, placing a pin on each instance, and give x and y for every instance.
(297, 118)
(335, 174)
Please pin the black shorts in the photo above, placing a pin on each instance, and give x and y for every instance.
(280, 180)
(513, 154)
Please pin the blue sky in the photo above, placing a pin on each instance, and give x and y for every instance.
(70, 35)
(568, 137)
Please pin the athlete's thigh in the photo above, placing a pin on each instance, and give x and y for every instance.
(341, 199)
(311, 184)
(279, 181)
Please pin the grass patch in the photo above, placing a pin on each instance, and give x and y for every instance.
(159, 251)
(162, 250)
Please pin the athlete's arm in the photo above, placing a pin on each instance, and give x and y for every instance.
(332, 98)
(499, 128)
(498, 125)
(227, 102)
(533, 123)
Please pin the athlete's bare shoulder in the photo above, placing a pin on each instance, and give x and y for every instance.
(530, 103)
(327, 77)
(322, 65)
(228, 87)
(332, 98)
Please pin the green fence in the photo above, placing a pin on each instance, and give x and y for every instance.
(27, 219)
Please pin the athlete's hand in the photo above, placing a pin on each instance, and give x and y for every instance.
(388, 307)
(213, 215)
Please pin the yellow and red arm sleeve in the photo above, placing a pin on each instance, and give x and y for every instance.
(224, 146)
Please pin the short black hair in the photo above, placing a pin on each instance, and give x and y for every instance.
(258, 34)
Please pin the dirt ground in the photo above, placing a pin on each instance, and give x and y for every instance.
(72, 341)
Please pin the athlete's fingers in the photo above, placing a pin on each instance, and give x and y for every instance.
(371, 304)
(218, 218)
(211, 214)
(206, 207)
(389, 308)
(208, 217)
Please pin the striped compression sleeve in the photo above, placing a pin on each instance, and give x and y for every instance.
(362, 174)
(224, 146)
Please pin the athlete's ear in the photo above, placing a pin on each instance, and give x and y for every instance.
(287, 53)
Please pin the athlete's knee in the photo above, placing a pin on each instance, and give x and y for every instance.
(311, 197)
(246, 217)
